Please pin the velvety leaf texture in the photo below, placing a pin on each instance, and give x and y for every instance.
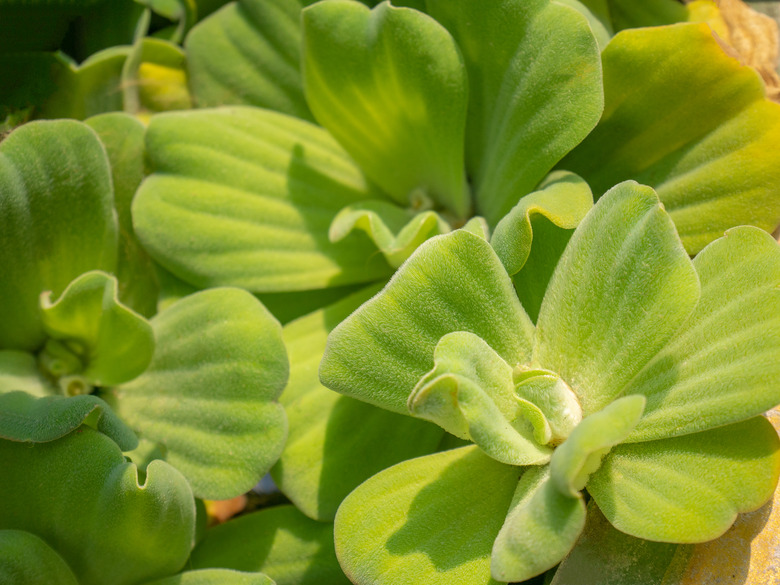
(25, 559)
(248, 53)
(693, 124)
(451, 283)
(245, 197)
(105, 523)
(56, 217)
(208, 396)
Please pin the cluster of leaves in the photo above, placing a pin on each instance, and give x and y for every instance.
(472, 221)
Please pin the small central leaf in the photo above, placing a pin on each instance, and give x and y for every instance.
(541, 392)
(390, 85)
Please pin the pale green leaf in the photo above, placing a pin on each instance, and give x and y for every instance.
(693, 124)
(397, 232)
(25, 559)
(541, 528)
(248, 53)
(562, 198)
(114, 342)
(280, 542)
(56, 217)
(724, 364)
(390, 85)
(542, 395)
(600, 26)
(691, 488)
(535, 91)
(19, 371)
(429, 520)
(208, 396)
(82, 498)
(582, 453)
(607, 556)
(335, 443)
(622, 289)
(453, 282)
(123, 137)
(470, 393)
(31, 419)
(245, 197)
(215, 577)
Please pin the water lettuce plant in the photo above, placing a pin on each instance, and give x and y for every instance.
(640, 383)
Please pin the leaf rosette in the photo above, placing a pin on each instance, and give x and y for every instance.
(641, 383)
(199, 380)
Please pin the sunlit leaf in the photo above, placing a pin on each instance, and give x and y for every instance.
(56, 217)
(280, 542)
(535, 91)
(690, 488)
(248, 53)
(451, 283)
(390, 85)
(429, 520)
(245, 197)
(215, 577)
(541, 528)
(335, 443)
(724, 364)
(82, 498)
(693, 124)
(208, 395)
(622, 289)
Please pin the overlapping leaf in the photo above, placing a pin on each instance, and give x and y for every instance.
(429, 520)
(27, 560)
(248, 53)
(83, 498)
(56, 217)
(621, 291)
(208, 395)
(693, 124)
(335, 442)
(245, 197)
(390, 85)
(452, 283)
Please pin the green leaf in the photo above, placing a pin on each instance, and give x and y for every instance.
(562, 198)
(691, 488)
(19, 371)
(248, 53)
(600, 27)
(627, 14)
(33, 419)
(114, 342)
(548, 403)
(622, 289)
(281, 542)
(88, 89)
(396, 232)
(390, 85)
(123, 137)
(335, 443)
(82, 498)
(723, 365)
(470, 393)
(694, 124)
(208, 395)
(582, 453)
(56, 217)
(607, 556)
(245, 197)
(451, 283)
(429, 520)
(535, 91)
(542, 526)
(215, 577)
(106, 25)
(25, 559)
